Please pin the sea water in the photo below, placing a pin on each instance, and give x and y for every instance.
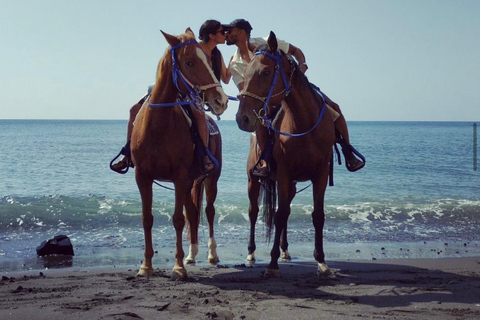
(417, 197)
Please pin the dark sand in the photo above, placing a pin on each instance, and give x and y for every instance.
(383, 289)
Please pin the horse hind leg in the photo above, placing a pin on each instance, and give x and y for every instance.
(212, 251)
(253, 195)
(192, 254)
(318, 218)
(211, 196)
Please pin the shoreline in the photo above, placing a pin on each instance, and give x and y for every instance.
(234, 254)
(391, 288)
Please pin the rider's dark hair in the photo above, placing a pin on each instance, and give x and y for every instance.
(207, 28)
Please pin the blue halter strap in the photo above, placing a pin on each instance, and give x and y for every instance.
(287, 88)
(193, 90)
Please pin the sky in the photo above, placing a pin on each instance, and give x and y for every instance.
(380, 60)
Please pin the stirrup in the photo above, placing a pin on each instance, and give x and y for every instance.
(125, 152)
(123, 166)
(360, 163)
(261, 172)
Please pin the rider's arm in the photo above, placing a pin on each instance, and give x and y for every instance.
(299, 56)
(226, 75)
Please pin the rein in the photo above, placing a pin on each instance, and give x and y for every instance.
(193, 90)
(286, 90)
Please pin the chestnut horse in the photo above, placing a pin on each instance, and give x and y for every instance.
(303, 146)
(162, 147)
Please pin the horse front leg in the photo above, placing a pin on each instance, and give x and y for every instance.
(145, 187)
(318, 218)
(211, 191)
(179, 271)
(253, 194)
(281, 218)
(285, 255)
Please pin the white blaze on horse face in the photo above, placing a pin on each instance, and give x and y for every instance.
(224, 99)
(203, 57)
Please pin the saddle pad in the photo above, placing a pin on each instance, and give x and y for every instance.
(334, 113)
(211, 128)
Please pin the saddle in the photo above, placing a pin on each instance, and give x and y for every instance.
(201, 151)
(189, 118)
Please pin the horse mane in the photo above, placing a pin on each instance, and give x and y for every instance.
(301, 76)
(262, 47)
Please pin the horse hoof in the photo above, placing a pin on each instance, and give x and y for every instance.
(323, 270)
(190, 261)
(145, 272)
(272, 273)
(286, 256)
(178, 274)
(251, 259)
(213, 260)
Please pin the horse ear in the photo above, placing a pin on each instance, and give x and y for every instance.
(188, 30)
(172, 40)
(272, 42)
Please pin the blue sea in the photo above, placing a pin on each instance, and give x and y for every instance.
(417, 197)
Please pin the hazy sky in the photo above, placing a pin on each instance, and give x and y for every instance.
(379, 59)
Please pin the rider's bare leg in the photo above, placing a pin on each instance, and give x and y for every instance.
(204, 134)
(124, 162)
(343, 138)
(261, 169)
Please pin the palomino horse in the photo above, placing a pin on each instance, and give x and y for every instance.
(303, 147)
(162, 147)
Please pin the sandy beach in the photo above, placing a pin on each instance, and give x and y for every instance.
(447, 288)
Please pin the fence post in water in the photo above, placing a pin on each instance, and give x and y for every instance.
(475, 147)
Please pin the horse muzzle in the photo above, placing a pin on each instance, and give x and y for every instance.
(246, 123)
(217, 100)
(246, 117)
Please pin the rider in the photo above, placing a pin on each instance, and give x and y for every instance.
(211, 33)
(238, 33)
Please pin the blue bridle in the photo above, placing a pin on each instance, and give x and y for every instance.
(287, 88)
(193, 90)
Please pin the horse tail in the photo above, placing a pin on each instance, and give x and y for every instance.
(268, 194)
(197, 194)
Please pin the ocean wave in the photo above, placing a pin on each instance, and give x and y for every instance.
(27, 213)
(99, 225)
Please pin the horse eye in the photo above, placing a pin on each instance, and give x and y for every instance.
(189, 63)
(266, 73)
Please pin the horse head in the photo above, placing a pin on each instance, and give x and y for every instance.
(262, 93)
(194, 69)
